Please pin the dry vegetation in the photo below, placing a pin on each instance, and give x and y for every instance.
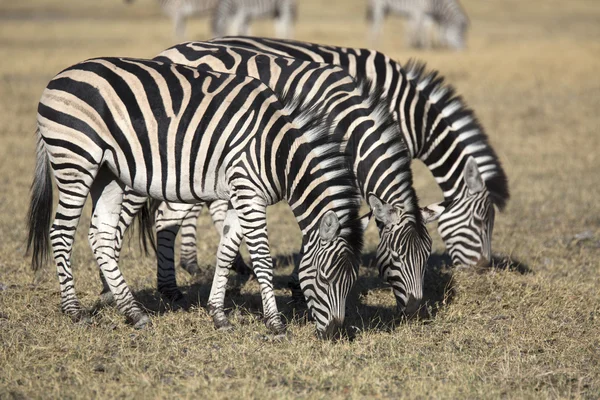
(527, 331)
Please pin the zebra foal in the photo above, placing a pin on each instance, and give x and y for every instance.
(441, 22)
(180, 10)
(233, 17)
(186, 135)
(438, 128)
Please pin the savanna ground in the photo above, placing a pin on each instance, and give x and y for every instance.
(526, 329)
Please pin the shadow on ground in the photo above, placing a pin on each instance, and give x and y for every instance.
(363, 312)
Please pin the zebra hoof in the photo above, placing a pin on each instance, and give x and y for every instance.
(141, 321)
(79, 316)
(107, 298)
(281, 337)
(223, 325)
(191, 268)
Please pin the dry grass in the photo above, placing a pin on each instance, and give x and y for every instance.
(530, 331)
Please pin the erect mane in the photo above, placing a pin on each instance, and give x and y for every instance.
(314, 125)
(444, 99)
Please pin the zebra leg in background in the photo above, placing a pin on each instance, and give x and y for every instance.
(284, 20)
(188, 259)
(375, 16)
(179, 23)
(132, 203)
(218, 212)
(107, 197)
(169, 218)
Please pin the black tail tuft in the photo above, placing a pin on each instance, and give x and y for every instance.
(146, 223)
(40, 209)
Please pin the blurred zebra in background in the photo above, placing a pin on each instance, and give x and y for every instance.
(180, 10)
(431, 23)
(233, 17)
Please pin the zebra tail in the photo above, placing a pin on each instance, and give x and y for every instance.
(146, 222)
(40, 208)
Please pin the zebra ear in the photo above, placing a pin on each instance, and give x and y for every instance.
(432, 212)
(330, 225)
(382, 211)
(472, 176)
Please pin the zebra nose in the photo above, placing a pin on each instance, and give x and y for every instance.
(332, 330)
(412, 305)
(483, 262)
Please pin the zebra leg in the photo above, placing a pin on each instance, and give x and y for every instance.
(107, 196)
(284, 20)
(132, 203)
(252, 214)
(228, 249)
(62, 236)
(218, 212)
(169, 218)
(375, 17)
(179, 23)
(188, 259)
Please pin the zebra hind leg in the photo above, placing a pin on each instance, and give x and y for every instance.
(169, 218)
(132, 203)
(107, 197)
(188, 254)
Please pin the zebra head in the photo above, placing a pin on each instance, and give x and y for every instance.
(403, 250)
(466, 224)
(328, 269)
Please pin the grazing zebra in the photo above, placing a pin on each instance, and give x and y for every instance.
(182, 134)
(233, 17)
(438, 128)
(446, 19)
(380, 160)
(180, 10)
(382, 174)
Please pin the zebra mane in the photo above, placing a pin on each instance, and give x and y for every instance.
(443, 98)
(314, 124)
(380, 104)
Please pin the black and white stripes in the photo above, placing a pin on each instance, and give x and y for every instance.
(181, 134)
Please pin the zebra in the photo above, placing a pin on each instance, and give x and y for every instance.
(380, 160)
(180, 10)
(233, 17)
(438, 129)
(387, 163)
(446, 19)
(183, 134)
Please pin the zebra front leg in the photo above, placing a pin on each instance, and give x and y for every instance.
(188, 259)
(252, 214)
(179, 23)
(107, 196)
(169, 217)
(375, 17)
(228, 249)
(218, 212)
(132, 203)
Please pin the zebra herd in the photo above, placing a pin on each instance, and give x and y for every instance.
(430, 23)
(242, 123)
